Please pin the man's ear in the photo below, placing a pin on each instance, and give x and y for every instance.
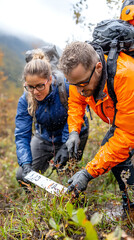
(99, 67)
(50, 79)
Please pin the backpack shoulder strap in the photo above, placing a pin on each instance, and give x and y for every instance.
(111, 69)
(110, 66)
(61, 87)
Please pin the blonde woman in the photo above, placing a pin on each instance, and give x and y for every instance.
(40, 103)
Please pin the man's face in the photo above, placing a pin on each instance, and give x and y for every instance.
(87, 80)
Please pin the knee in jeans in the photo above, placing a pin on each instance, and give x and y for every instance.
(19, 174)
(41, 168)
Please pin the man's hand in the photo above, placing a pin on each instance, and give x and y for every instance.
(62, 156)
(73, 143)
(26, 168)
(79, 181)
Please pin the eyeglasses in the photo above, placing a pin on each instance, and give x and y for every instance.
(83, 84)
(39, 87)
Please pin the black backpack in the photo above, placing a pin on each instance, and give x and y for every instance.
(53, 54)
(114, 36)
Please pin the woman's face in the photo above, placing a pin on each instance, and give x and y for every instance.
(38, 86)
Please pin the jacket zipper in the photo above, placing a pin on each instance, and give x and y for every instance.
(104, 114)
(103, 110)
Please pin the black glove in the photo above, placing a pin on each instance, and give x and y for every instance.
(26, 168)
(62, 156)
(73, 143)
(79, 181)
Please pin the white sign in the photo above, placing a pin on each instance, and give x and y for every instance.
(45, 183)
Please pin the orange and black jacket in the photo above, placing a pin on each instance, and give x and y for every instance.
(117, 149)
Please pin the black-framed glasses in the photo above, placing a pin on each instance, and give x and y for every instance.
(83, 84)
(39, 87)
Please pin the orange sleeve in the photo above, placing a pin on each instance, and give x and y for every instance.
(76, 111)
(117, 149)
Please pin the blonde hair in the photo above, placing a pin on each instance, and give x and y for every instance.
(40, 66)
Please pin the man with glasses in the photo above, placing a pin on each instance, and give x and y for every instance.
(84, 66)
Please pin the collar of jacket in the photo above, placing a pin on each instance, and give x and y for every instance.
(99, 94)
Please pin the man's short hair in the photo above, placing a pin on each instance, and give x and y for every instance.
(77, 53)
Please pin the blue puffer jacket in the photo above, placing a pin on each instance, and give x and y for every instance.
(51, 123)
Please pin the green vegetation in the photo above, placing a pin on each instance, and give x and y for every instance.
(40, 215)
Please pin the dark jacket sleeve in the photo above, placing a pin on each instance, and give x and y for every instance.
(23, 132)
(65, 133)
